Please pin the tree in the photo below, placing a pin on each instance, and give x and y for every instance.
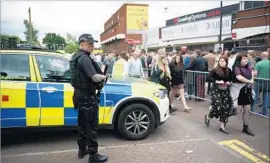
(71, 39)
(34, 33)
(71, 48)
(72, 45)
(54, 41)
(9, 41)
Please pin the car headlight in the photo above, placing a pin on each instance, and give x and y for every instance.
(161, 93)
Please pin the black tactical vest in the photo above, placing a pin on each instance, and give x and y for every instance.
(78, 78)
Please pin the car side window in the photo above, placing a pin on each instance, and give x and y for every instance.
(15, 67)
(53, 69)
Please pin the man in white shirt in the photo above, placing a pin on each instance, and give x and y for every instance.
(98, 58)
(120, 67)
(135, 65)
(232, 58)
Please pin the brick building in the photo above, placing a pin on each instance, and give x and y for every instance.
(251, 26)
(121, 28)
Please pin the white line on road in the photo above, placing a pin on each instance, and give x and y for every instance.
(108, 147)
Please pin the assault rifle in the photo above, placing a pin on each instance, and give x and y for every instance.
(101, 84)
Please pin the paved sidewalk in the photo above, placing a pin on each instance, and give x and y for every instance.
(195, 121)
(201, 151)
(182, 139)
(254, 149)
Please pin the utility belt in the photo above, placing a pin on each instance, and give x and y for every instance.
(86, 100)
(90, 92)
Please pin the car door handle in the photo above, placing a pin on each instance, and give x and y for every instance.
(49, 89)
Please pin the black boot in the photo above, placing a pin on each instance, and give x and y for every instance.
(96, 158)
(172, 109)
(247, 131)
(82, 152)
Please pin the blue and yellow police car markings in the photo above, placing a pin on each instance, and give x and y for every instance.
(13, 117)
(114, 93)
(52, 116)
(53, 99)
(13, 104)
(32, 70)
(52, 105)
(15, 91)
(70, 114)
(246, 151)
(68, 95)
(38, 76)
(32, 105)
(32, 116)
(32, 95)
(119, 80)
(70, 117)
(118, 89)
(148, 91)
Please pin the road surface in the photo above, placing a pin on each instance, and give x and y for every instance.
(182, 139)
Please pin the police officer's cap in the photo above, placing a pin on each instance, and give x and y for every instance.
(87, 38)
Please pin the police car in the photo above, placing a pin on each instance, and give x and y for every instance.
(35, 92)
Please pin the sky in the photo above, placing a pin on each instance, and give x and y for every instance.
(78, 17)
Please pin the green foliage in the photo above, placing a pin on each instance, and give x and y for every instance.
(54, 41)
(9, 41)
(27, 33)
(71, 39)
(72, 45)
(71, 48)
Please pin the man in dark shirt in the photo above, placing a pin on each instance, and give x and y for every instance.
(86, 80)
(199, 64)
(109, 62)
(148, 63)
(143, 58)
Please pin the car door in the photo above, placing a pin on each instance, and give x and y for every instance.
(20, 99)
(56, 91)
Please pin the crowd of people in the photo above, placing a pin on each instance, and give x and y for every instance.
(235, 80)
(230, 76)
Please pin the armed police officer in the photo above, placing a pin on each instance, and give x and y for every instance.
(86, 78)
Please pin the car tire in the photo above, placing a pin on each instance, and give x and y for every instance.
(126, 121)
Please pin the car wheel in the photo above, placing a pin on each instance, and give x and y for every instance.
(136, 121)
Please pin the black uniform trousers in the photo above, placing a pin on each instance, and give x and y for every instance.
(87, 105)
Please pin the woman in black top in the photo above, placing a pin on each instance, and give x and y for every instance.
(241, 90)
(161, 74)
(221, 77)
(177, 82)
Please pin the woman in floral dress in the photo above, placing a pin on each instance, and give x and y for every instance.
(221, 77)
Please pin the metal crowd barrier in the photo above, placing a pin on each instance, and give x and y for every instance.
(196, 87)
(261, 103)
